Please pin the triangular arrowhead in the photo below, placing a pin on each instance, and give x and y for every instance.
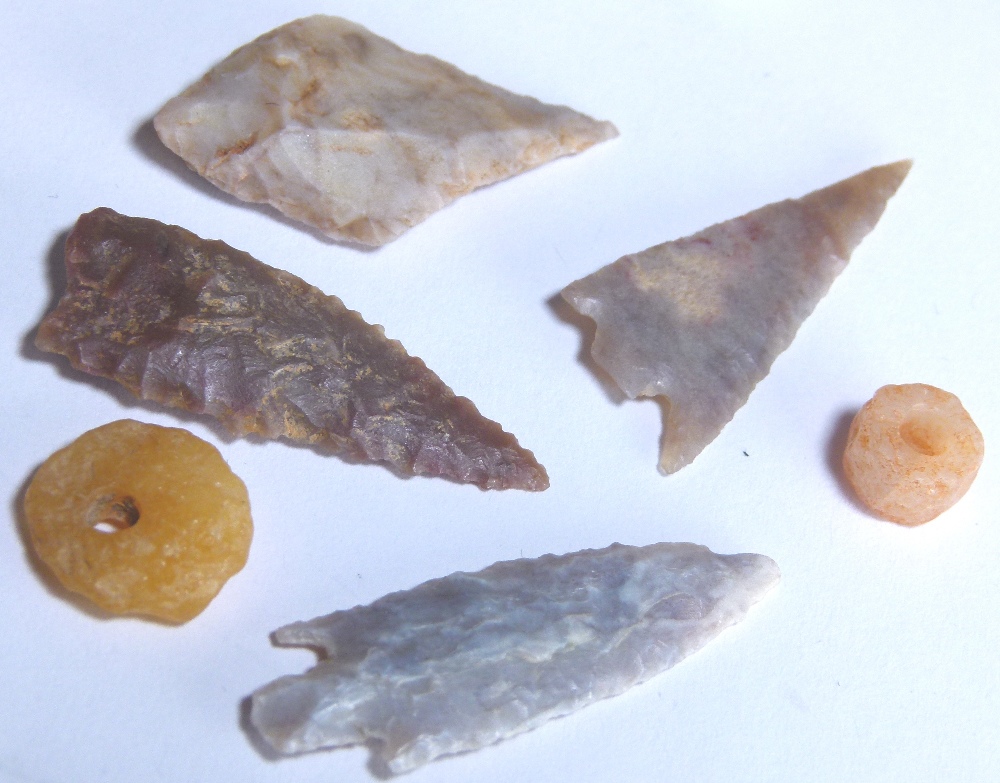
(698, 321)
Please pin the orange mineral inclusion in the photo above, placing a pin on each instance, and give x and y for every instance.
(140, 519)
(912, 452)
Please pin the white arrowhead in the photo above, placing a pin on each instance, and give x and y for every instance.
(461, 662)
(346, 131)
(698, 321)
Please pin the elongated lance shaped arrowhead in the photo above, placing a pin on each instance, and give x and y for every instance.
(462, 662)
(198, 325)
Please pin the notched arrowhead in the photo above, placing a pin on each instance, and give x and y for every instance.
(461, 662)
(698, 321)
(198, 325)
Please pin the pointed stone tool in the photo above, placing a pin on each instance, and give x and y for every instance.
(198, 325)
(698, 321)
(459, 663)
(346, 131)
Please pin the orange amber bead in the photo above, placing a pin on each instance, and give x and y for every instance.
(912, 452)
(140, 519)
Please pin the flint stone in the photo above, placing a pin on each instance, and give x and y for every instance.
(344, 130)
(698, 321)
(462, 662)
(201, 326)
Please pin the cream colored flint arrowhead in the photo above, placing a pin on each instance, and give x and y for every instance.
(344, 130)
(698, 321)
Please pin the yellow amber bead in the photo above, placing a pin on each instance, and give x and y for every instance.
(140, 519)
(912, 452)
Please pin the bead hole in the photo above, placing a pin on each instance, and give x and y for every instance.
(113, 513)
(926, 432)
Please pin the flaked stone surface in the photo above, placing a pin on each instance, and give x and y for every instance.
(698, 321)
(198, 325)
(344, 130)
(912, 452)
(459, 663)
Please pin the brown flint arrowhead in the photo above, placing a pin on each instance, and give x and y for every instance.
(198, 325)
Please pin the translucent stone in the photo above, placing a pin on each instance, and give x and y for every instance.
(697, 322)
(140, 519)
(912, 452)
(198, 325)
(462, 662)
(346, 131)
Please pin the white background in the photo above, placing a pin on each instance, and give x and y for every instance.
(874, 660)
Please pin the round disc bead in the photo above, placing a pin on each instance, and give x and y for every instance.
(912, 452)
(140, 519)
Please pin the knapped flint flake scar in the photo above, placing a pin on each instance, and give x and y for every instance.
(465, 661)
(197, 325)
(344, 130)
(698, 321)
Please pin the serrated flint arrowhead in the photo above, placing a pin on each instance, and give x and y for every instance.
(198, 325)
